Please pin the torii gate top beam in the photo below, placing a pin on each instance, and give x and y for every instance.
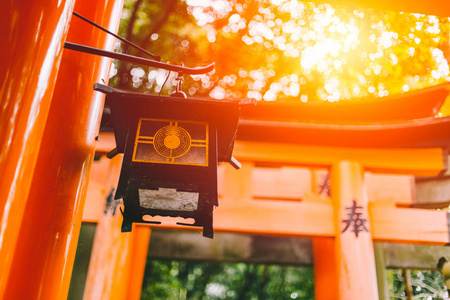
(397, 127)
(419, 104)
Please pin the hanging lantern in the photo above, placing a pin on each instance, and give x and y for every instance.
(171, 150)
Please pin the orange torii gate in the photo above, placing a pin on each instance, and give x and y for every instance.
(387, 148)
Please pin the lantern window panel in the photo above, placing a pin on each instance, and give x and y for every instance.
(171, 142)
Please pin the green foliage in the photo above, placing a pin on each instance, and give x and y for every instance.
(282, 49)
(425, 284)
(195, 280)
(170, 279)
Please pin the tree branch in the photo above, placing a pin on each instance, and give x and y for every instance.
(408, 286)
(129, 31)
(170, 8)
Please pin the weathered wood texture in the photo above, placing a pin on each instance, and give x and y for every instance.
(382, 277)
(228, 247)
(414, 256)
(433, 192)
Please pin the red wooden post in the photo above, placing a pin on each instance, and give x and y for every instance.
(43, 259)
(33, 33)
(117, 264)
(355, 259)
(138, 260)
(325, 276)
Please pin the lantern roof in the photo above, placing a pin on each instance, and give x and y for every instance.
(126, 107)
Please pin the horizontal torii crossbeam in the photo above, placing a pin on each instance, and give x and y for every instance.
(313, 215)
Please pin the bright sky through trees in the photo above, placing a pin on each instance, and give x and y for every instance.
(287, 50)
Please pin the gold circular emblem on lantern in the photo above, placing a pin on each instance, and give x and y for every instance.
(172, 141)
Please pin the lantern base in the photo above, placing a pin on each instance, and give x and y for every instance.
(203, 218)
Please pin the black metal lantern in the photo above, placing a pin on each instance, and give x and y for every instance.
(171, 149)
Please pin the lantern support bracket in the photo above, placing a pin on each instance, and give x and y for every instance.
(139, 60)
(155, 57)
(111, 154)
(235, 163)
(156, 62)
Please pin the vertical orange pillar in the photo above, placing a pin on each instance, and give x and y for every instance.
(33, 33)
(355, 259)
(138, 259)
(325, 275)
(117, 264)
(108, 266)
(43, 259)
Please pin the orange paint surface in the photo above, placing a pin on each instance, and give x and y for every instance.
(108, 267)
(137, 261)
(408, 225)
(417, 161)
(252, 200)
(40, 243)
(281, 209)
(33, 35)
(103, 179)
(43, 259)
(355, 259)
(117, 264)
(325, 275)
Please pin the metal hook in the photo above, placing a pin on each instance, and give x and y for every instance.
(179, 92)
